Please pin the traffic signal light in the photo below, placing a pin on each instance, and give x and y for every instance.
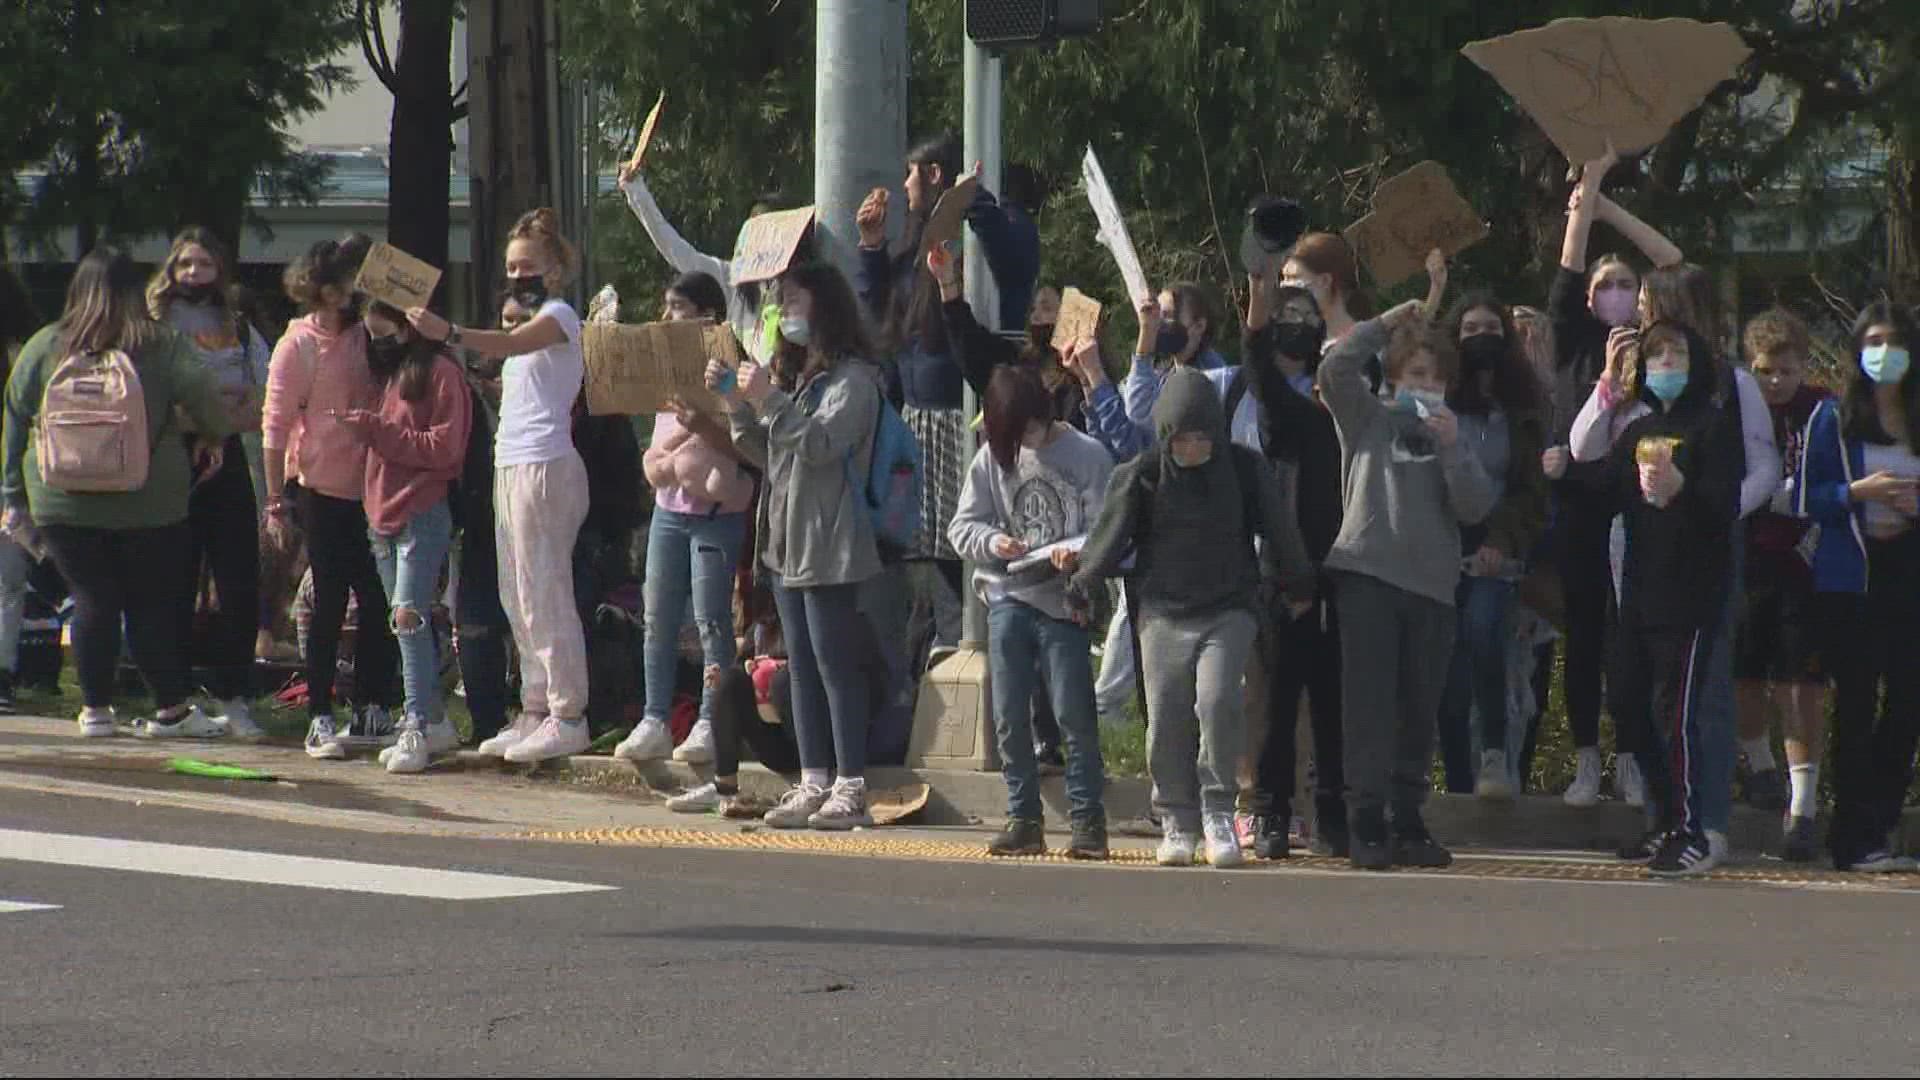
(1008, 23)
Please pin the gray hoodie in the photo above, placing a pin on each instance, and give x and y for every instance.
(1050, 495)
(1404, 496)
(814, 529)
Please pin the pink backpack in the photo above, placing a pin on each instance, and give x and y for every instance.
(92, 432)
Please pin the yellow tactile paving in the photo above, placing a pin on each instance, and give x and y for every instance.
(872, 845)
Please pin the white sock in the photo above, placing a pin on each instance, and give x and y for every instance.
(1805, 780)
(1759, 753)
(820, 778)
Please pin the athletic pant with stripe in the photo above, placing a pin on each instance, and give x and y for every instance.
(1656, 689)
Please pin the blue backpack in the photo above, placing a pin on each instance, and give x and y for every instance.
(894, 482)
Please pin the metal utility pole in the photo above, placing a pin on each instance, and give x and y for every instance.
(982, 135)
(860, 117)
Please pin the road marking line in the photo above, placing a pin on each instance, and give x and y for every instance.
(262, 868)
(8, 907)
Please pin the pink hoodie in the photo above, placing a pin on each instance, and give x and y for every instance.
(314, 372)
(693, 477)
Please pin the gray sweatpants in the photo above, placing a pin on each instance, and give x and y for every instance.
(1193, 668)
(1395, 649)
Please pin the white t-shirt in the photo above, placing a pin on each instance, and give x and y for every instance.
(537, 394)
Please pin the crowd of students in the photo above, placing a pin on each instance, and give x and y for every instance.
(1366, 511)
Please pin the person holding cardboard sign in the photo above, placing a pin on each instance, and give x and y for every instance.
(540, 489)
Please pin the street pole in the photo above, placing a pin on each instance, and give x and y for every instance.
(983, 76)
(860, 117)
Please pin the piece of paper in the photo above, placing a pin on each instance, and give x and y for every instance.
(1079, 319)
(1587, 81)
(1113, 229)
(394, 277)
(646, 135)
(767, 244)
(634, 370)
(1043, 555)
(949, 215)
(1413, 213)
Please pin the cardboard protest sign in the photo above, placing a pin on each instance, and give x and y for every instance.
(767, 245)
(1587, 81)
(634, 370)
(646, 135)
(1113, 229)
(949, 215)
(1413, 213)
(394, 277)
(1079, 319)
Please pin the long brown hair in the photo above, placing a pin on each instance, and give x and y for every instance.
(1685, 294)
(1515, 387)
(1330, 254)
(163, 289)
(1015, 401)
(327, 263)
(914, 312)
(414, 373)
(107, 305)
(837, 330)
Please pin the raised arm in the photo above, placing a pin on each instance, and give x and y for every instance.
(976, 349)
(673, 247)
(1651, 241)
(1582, 205)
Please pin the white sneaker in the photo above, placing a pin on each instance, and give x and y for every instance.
(98, 723)
(1223, 845)
(845, 808)
(1719, 847)
(701, 800)
(523, 725)
(419, 745)
(1585, 789)
(556, 738)
(1633, 784)
(237, 716)
(192, 724)
(1493, 783)
(1176, 849)
(796, 806)
(323, 740)
(650, 741)
(698, 747)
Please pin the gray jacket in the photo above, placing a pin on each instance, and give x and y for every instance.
(1405, 497)
(814, 529)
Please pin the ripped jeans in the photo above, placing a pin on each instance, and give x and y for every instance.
(688, 558)
(410, 563)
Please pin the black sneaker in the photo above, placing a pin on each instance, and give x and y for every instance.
(1801, 843)
(1369, 849)
(6, 691)
(1089, 839)
(1270, 835)
(1682, 855)
(1413, 845)
(1644, 847)
(1330, 837)
(1022, 836)
(1767, 790)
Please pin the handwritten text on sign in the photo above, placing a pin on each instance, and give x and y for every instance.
(1413, 213)
(397, 278)
(768, 243)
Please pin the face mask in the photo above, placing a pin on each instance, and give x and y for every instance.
(1172, 340)
(1420, 403)
(1667, 385)
(196, 294)
(531, 292)
(1481, 352)
(797, 331)
(1301, 341)
(1616, 307)
(1041, 335)
(384, 354)
(1884, 363)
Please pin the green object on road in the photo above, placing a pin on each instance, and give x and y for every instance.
(190, 767)
(605, 743)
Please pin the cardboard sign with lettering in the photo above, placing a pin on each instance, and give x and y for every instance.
(949, 215)
(397, 278)
(768, 243)
(646, 135)
(634, 370)
(1413, 213)
(1079, 319)
(1587, 81)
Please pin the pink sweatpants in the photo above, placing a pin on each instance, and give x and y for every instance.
(537, 514)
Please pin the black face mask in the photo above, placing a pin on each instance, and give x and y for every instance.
(1481, 352)
(1041, 335)
(1172, 340)
(384, 354)
(1300, 341)
(197, 294)
(531, 292)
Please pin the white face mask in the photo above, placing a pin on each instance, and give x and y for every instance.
(797, 331)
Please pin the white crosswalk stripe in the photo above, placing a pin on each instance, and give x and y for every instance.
(263, 868)
(8, 907)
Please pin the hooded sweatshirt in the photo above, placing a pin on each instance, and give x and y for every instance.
(418, 448)
(1404, 495)
(1173, 519)
(1050, 495)
(317, 373)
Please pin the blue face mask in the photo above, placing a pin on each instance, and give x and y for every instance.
(1885, 363)
(797, 331)
(1667, 385)
(1420, 403)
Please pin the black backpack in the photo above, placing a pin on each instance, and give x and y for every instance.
(470, 499)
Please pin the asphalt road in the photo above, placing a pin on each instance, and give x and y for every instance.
(744, 963)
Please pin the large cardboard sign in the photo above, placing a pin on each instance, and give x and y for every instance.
(1079, 319)
(1413, 213)
(949, 215)
(1113, 229)
(634, 370)
(767, 244)
(1588, 81)
(394, 277)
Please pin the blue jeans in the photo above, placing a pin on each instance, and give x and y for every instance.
(1477, 680)
(1025, 644)
(410, 564)
(828, 645)
(693, 558)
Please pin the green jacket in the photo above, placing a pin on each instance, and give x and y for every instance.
(171, 375)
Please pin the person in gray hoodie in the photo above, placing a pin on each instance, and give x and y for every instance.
(1409, 485)
(1199, 600)
(1026, 505)
(815, 431)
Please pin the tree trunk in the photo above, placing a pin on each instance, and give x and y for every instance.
(507, 126)
(421, 142)
(1903, 224)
